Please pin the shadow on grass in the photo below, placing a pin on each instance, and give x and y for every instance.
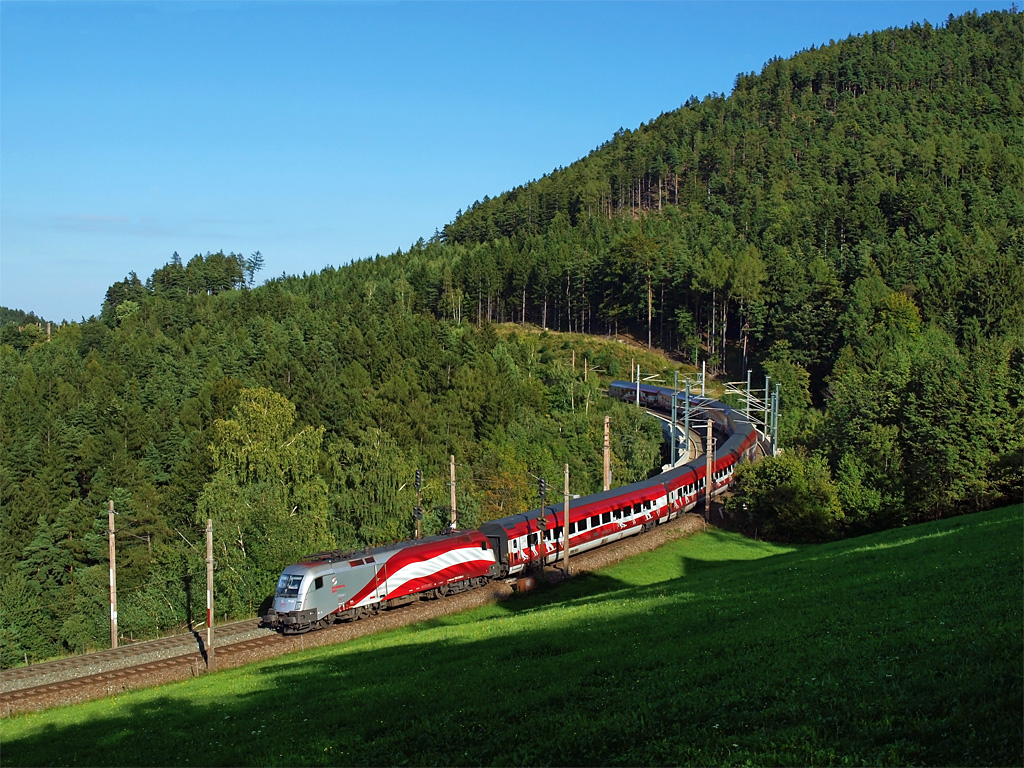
(764, 662)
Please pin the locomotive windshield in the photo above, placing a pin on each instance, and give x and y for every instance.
(288, 585)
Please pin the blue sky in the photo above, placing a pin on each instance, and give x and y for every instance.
(322, 132)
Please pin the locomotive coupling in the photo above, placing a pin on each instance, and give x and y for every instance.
(293, 621)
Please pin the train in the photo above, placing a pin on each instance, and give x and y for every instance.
(333, 586)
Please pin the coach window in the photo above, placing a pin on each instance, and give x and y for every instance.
(606, 517)
(595, 521)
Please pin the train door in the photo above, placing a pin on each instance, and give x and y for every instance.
(499, 545)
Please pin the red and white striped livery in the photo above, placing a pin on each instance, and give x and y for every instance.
(335, 586)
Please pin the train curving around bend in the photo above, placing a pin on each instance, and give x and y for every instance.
(336, 586)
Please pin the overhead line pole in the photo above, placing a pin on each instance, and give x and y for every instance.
(209, 593)
(708, 484)
(775, 427)
(454, 515)
(565, 524)
(607, 454)
(113, 575)
(542, 523)
(686, 419)
(417, 511)
(675, 390)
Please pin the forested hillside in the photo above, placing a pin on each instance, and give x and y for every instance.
(850, 221)
(294, 415)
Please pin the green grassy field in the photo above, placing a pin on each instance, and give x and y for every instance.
(902, 648)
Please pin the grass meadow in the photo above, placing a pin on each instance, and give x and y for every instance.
(901, 648)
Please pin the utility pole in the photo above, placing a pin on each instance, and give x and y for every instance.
(209, 593)
(775, 419)
(686, 420)
(675, 389)
(454, 516)
(708, 481)
(565, 524)
(417, 511)
(638, 385)
(113, 576)
(607, 453)
(542, 522)
(747, 400)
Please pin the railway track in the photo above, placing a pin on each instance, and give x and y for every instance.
(181, 657)
(114, 658)
(80, 678)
